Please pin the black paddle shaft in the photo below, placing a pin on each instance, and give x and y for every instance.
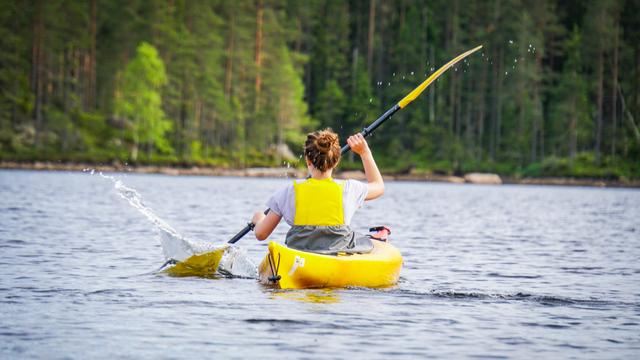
(366, 132)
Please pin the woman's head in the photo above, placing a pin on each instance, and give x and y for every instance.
(322, 149)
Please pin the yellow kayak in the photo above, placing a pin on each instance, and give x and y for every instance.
(294, 269)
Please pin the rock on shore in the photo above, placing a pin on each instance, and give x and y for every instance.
(482, 178)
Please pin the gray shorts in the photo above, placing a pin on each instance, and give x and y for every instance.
(328, 240)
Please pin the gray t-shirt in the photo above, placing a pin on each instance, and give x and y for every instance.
(283, 202)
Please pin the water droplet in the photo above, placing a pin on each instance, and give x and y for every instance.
(506, 73)
(510, 41)
(412, 73)
(394, 74)
(370, 100)
(402, 77)
(431, 69)
(388, 84)
(515, 60)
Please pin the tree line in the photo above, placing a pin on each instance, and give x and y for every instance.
(554, 91)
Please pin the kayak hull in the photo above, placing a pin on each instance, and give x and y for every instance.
(288, 268)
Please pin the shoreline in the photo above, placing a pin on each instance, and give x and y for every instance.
(297, 173)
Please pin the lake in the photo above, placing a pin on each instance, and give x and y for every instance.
(489, 272)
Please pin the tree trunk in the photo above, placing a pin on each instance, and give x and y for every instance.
(495, 90)
(538, 123)
(494, 106)
(371, 33)
(354, 71)
(520, 95)
(599, 99)
(469, 131)
(63, 86)
(453, 45)
(627, 111)
(481, 110)
(258, 53)
(499, 104)
(573, 129)
(228, 75)
(37, 68)
(91, 93)
(614, 93)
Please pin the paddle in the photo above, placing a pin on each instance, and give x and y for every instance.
(367, 131)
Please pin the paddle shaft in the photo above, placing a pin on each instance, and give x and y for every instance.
(366, 132)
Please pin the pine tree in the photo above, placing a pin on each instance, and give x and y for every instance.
(572, 128)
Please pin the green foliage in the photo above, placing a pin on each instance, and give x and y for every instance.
(570, 103)
(139, 103)
(193, 82)
(584, 165)
(330, 105)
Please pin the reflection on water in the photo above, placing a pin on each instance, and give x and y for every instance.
(489, 271)
(315, 296)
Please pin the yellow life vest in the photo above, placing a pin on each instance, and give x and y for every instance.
(318, 202)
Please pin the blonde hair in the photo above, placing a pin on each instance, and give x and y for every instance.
(322, 148)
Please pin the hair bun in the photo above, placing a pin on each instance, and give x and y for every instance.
(326, 140)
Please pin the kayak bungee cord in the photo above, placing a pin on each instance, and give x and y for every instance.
(367, 131)
(274, 271)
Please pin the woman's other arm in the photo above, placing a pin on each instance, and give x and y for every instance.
(375, 183)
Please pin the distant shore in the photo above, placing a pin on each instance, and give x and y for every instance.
(297, 173)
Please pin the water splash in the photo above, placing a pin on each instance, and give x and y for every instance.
(175, 246)
(236, 263)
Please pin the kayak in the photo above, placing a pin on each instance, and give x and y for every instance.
(288, 268)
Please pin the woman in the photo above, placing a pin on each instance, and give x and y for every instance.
(319, 209)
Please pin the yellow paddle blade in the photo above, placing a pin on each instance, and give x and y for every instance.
(201, 265)
(417, 91)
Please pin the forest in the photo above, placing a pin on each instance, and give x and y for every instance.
(555, 91)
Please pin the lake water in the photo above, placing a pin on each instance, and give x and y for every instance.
(489, 272)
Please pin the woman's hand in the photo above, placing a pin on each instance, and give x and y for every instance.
(257, 217)
(375, 183)
(358, 144)
(264, 224)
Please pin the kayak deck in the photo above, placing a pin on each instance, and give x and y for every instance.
(288, 268)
